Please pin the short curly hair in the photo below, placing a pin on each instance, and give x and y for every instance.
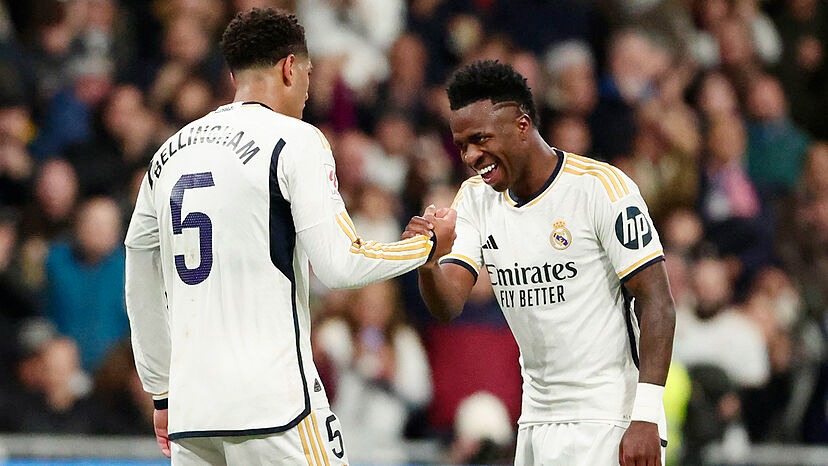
(490, 80)
(261, 37)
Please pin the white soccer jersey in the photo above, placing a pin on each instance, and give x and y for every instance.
(557, 263)
(231, 212)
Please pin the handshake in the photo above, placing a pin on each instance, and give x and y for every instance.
(434, 222)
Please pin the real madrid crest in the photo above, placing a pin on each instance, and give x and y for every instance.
(560, 238)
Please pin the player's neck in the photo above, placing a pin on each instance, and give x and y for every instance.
(254, 86)
(540, 166)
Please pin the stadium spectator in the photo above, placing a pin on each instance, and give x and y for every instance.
(803, 27)
(776, 145)
(85, 279)
(571, 87)
(60, 402)
(666, 148)
(633, 64)
(359, 31)
(735, 221)
(722, 335)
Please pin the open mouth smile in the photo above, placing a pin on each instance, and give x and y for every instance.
(487, 169)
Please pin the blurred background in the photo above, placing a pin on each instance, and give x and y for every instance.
(716, 108)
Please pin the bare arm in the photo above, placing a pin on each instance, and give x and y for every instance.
(445, 288)
(657, 320)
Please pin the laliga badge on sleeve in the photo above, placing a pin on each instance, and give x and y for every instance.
(333, 182)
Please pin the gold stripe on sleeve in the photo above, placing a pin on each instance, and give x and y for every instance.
(319, 439)
(624, 190)
(383, 255)
(350, 222)
(600, 176)
(345, 229)
(300, 426)
(613, 172)
(588, 167)
(618, 175)
(396, 247)
(638, 263)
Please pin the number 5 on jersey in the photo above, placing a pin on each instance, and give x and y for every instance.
(335, 436)
(198, 220)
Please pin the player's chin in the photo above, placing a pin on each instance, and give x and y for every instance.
(499, 186)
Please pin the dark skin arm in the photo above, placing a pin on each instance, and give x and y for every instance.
(445, 288)
(640, 445)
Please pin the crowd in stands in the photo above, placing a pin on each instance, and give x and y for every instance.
(714, 107)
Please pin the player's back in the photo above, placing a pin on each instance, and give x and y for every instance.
(240, 348)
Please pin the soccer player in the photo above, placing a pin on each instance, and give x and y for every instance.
(233, 209)
(578, 270)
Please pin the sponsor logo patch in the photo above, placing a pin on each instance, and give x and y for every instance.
(632, 229)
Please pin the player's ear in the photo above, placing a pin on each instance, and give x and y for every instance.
(524, 122)
(287, 69)
(233, 79)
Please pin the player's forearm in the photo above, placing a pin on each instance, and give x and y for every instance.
(343, 260)
(657, 321)
(441, 295)
(149, 318)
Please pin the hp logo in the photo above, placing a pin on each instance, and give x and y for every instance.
(632, 228)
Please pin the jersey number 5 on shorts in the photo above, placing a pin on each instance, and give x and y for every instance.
(198, 220)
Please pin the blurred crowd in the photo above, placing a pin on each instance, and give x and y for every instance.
(714, 107)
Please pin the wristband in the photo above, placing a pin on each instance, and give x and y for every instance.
(161, 404)
(433, 247)
(648, 404)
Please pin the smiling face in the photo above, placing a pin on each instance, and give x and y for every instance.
(492, 141)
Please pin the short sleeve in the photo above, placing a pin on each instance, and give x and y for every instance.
(466, 251)
(626, 230)
(307, 180)
(143, 226)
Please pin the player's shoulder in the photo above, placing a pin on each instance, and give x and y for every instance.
(473, 188)
(259, 117)
(473, 182)
(597, 176)
(302, 133)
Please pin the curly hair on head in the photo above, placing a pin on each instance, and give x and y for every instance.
(490, 80)
(261, 37)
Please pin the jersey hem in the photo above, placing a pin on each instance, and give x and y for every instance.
(241, 432)
(615, 422)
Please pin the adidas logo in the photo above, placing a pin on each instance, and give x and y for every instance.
(490, 243)
(317, 387)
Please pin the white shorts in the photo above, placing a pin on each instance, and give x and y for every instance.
(315, 441)
(573, 444)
